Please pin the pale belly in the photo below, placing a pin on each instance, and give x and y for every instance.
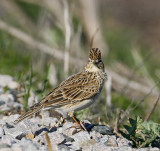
(76, 106)
(79, 105)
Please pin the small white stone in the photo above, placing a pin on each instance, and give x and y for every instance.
(99, 146)
(95, 135)
(81, 137)
(5, 80)
(32, 99)
(11, 118)
(16, 148)
(56, 137)
(1, 90)
(68, 128)
(1, 131)
(104, 139)
(7, 98)
(13, 85)
(6, 149)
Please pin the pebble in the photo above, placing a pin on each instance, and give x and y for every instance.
(13, 85)
(5, 80)
(15, 133)
(68, 129)
(1, 90)
(6, 149)
(28, 145)
(56, 137)
(68, 139)
(1, 131)
(63, 147)
(81, 137)
(6, 102)
(4, 145)
(102, 129)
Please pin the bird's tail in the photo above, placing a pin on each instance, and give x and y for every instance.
(32, 111)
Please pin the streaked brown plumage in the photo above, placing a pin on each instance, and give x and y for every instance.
(76, 92)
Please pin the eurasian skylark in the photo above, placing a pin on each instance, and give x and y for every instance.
(75, 93)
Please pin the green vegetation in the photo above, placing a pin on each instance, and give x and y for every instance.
(141, 133)
(12, 62)
(120, 45)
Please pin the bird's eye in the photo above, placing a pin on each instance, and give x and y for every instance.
(100, 60)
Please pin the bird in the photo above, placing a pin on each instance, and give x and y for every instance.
(77, 92)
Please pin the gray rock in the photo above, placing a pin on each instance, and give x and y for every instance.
(29, 126)
(15, 133)
(13, 85)
(63, 147)
(74, 146)
(102, 129)
(1, 102)
(43, 148)
(50, 121)
(6, 149)
(97, 147)
(81, 137)
(119, 149)
(68, 129)
(148, 149)
(1, 90)
(40, 140)
(10, 119)
(5, 80)
(96, 136)
(57, 138)
(32, 99)
(8, 101)
(112, 142)
(4, 145)
(9, 140)
(87, 144)
(105, 140)
(16, 148)
(27, 145)
(8, 126)
(68, 139)
(122, 142)
(7, 98)
(1, 131)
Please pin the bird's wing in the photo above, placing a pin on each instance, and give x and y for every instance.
(76, 88)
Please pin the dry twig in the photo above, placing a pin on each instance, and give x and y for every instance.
(117, 124)
(108, 87)
(152, 109)
(18, 15)
(67, 37)
(48, 142)
(89, 14)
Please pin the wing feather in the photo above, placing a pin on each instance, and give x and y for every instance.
(76, 88)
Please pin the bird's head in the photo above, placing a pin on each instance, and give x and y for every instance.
(95, 63)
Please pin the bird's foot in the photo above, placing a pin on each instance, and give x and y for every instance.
(61, 121)
(79, 124)
(77, 121)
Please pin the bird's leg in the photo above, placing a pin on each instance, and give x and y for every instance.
(42, 112)
(79, 123)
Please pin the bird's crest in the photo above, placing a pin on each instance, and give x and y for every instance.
(95, 54)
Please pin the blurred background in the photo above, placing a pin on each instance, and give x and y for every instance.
(44, 41)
